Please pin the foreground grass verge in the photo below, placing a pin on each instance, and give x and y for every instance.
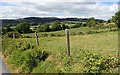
(103, 44)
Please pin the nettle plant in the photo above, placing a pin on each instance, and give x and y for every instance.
(95, 63)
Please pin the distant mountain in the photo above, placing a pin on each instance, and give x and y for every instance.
(37, 20)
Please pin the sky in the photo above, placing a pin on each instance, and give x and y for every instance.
(100, 9)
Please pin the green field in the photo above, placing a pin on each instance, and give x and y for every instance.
(104, 44)
(74, 31)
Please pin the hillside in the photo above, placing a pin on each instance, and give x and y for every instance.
(37, 20)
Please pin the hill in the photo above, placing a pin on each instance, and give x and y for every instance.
(37, 20)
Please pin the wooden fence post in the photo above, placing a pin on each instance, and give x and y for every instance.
(37, 42)
(67, 42)
(13, 36)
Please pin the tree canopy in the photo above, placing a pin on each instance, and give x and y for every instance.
(56, 26)
(23, 27)
(116, 19)
(43, 28)
(91, 22)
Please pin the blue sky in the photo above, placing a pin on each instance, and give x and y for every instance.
(101, 9)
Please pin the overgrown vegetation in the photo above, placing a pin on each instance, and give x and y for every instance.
(95, 63)
(90, 52)
(23, 27)
(50, 56)
(24, 56)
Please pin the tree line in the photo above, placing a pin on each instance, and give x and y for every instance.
(24, 27)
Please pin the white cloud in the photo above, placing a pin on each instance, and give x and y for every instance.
(58, 8)
(51, 0)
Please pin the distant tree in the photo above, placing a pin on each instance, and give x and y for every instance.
(43, 28)
(116, 19)
(6, 29)
(64, 26)
(84, 24)
(101, 21)
(77, 25)
(35, 28)
(91, 22)
(56, 26)
(23, 27)
(113, 19)
(109, 21)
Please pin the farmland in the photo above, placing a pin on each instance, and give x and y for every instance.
(60, 37)
(42, 48)
(101, 44)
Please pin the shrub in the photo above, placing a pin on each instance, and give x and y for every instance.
(94, 63)
(84, 24)
(64, 26)
(26, 37)
(43, 28)
(23, 27)
(6, 29)
(10, 35)
(77, 25)
(56, 26)
(91, 22)
(52, 34)
(27, 60)
(24, 46)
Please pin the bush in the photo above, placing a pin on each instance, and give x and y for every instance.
(77, 25)
(24, 46)
(56, 26)
(84, 24)
(10, 35)
(26, 37)
(64, 27)
(27, 60)
(43, 28)
(91, 22)
(94, 63)
(6, 29)
(52, 34)
(23, 27)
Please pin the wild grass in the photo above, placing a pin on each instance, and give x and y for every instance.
(104, 44)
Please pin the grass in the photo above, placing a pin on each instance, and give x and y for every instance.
(104, 44)
(74, 31)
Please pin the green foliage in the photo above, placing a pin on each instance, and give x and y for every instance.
(64, 26)
(84, 24)
(23, 27)
(6, 29)
(91, 22)
(24, 56)
(10, 35)
(100, 28)
(56, 26)
(33, 58)
(43, 28)
(94, 63)
(27, 60)
(77, 25)
(116, 19)
(109, 21)
(25, 46)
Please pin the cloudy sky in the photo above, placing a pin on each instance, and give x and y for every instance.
(101, 9)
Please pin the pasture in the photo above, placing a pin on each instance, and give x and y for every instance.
(103, 44)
